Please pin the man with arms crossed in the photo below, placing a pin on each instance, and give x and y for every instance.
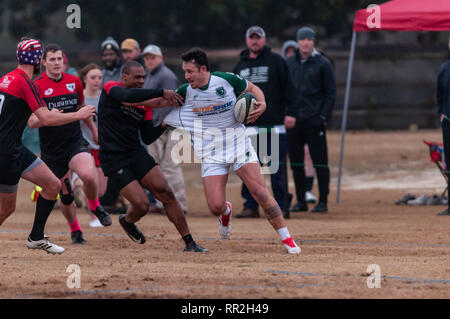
(209, 100)
(19, 97)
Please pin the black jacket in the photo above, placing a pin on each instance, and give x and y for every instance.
(315, 86)
(443, 89)
(269, 72)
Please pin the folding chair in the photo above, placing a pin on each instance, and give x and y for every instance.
(437, 156)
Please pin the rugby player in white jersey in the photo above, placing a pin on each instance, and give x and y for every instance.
(220, 141)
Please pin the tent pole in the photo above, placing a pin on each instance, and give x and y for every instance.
(344, 114)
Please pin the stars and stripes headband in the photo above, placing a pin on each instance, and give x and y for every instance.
(29, 52)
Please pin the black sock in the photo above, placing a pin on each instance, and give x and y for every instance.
(309, 181)
(43, 209)
(126, 222)
(188, 239)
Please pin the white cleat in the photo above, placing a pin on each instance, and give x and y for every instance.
(310, 198)
(44, 244)
(291, 246)
(95, 223)
(225, 224)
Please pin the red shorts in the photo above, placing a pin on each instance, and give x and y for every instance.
(95, 156)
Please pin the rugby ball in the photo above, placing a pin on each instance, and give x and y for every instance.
(245, 103)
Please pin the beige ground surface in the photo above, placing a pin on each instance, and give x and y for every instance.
(410, 244)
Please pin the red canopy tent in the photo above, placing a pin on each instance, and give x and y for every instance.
(408, 15)
(395, 15)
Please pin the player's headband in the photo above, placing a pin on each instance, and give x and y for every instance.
(29, 52)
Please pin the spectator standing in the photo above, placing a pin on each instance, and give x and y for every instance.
(159, 76)
(267, 70)
(313, 78)
(111, 60)
(131, 51)
(288, 49)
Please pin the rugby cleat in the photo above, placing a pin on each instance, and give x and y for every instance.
(77, 237)
(225, 223)
(95, 223)
(102, 216)
(291, 246)
(196, 248)
(44, 244)
(132, 231)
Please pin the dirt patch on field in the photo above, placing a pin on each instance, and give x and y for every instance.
(409, 244)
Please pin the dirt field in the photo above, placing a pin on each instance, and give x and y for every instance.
(410, 244)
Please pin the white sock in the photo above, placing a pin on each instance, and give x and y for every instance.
(284, 233)
(227, 211)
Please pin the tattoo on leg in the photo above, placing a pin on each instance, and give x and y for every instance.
(273, 212)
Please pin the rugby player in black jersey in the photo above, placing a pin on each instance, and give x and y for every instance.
(121, 119)
(19, 97)
(63, 148)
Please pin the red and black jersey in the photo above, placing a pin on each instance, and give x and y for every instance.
(118, 124)
(19, 97)
(65, 95)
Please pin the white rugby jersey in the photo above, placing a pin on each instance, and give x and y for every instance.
(207, 113)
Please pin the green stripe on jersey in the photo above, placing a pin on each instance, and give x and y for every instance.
(239, 84)
(182, 90)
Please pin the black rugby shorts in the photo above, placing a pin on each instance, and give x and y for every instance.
(124, 169)
(59, 163)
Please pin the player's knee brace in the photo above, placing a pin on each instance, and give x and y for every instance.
(66, 199)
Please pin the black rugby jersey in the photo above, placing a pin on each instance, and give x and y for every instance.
(65, 94)
(118, 124)
(19, 97)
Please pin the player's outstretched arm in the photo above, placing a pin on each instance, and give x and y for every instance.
(134, 95)
(170, 98)
(44, 117)
(260, 102)
(156, 103)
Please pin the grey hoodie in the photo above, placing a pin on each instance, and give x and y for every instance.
(286, 45)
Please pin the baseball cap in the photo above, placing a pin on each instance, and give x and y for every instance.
(306, 33)
(110, 44)
(29, 52)
(129, 44)
(255, 30)
(152, 49)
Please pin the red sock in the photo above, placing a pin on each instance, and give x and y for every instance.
(75, 226)
(93, 204)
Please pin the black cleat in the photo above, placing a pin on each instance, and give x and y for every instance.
(444, 213)
(132, 231)
(196, 248)
(299, 207)
(102, 216)
(77, 237)
(320, 208)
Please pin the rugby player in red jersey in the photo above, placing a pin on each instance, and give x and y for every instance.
(124, 160)
(19, 98)
(63, 148)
